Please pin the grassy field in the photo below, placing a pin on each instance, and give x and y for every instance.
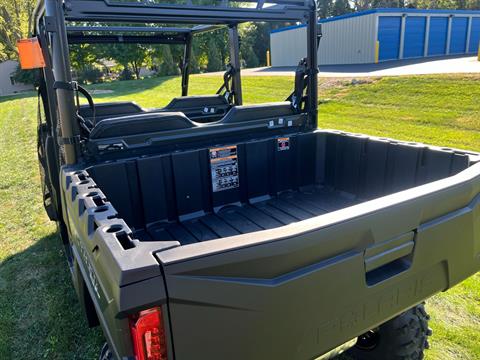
(39, 315)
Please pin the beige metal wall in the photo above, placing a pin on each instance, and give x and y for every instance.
(288, 47)
(7, 69)
(348, 41)
(344, 41)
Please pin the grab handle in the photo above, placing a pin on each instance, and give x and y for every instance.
(389, 258)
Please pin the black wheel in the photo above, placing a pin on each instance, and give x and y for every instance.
(105, 353)
(402, 338)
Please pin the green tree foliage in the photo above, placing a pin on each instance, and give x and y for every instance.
(26, 76)
(15, 23)
(167, 59)
(89, 75)
(340, 7)
(214, 56)
(420, 4)
(131, 56)
(84, 55)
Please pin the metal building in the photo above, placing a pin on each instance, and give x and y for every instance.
(381, 35)
(8, 85)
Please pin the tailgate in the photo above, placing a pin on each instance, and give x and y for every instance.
(298, 291)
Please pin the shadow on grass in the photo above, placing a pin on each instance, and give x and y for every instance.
(130, 87)
(40, 316)
(23, 95)
(119, 88)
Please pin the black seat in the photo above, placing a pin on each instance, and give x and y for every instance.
(140, 124)
(110, 109)
(201, 109)
(256, 112)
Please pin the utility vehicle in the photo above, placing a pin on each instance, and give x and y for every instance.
(210, 229)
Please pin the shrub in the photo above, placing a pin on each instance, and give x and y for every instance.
(26, 76)
(126, 74)
(89, 75)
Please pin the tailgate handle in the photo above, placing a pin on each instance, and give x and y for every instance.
(387, 259)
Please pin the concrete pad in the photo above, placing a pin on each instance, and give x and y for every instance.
(443, 65)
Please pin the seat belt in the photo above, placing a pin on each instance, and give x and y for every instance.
(77, 89)
(227, 78)
(300, 84)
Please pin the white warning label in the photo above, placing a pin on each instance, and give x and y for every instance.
(224, 168)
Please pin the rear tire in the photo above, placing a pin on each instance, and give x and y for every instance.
(105, 353)
(402, 338)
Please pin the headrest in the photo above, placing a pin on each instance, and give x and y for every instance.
(140, 124)
(110, 109)
(256, 112)
(186, 102)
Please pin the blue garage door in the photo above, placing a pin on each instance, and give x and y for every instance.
(474, 35)
(414, 42)
(389, 28)
(458, 35)
(437, 36)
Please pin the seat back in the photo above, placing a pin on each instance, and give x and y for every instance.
(202, 109)
(244, 113)
(140, 124)
(110, 109)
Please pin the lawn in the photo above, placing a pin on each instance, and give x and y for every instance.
(39, 314)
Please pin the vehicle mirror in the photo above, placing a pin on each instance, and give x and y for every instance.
(30, 54)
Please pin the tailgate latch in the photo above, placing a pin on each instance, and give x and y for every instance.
(389, 258)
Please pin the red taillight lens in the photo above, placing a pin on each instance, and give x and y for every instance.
(148, 335)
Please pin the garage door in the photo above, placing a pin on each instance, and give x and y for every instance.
(389, 28)
(414, 42)
(437, 36)
(474, 35)
(458, 35)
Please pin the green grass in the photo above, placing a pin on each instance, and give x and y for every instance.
(39, 314)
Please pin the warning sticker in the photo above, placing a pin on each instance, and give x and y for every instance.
(224, 168)
(283, 144)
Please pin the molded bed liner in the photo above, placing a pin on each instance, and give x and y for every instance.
(289, 207)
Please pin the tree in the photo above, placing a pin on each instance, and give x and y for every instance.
(26, 76)
(132, 56)
(340, 7)
(168, 65)
(214, 60)
(84, 55)
(255, 39)
(15, 24)
(324, 8)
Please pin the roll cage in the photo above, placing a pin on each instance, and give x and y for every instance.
(59, 23)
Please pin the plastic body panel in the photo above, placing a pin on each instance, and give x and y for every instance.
(121, 275)
(389, 29)
(297, 292)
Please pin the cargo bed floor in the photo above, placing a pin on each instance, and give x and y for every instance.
(289, 207)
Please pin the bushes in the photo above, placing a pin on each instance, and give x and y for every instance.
(126, 74)
(213, 54)
(26, 76)
(89, 75)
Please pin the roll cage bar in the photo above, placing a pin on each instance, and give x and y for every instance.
(142, 35)
(52, 16)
